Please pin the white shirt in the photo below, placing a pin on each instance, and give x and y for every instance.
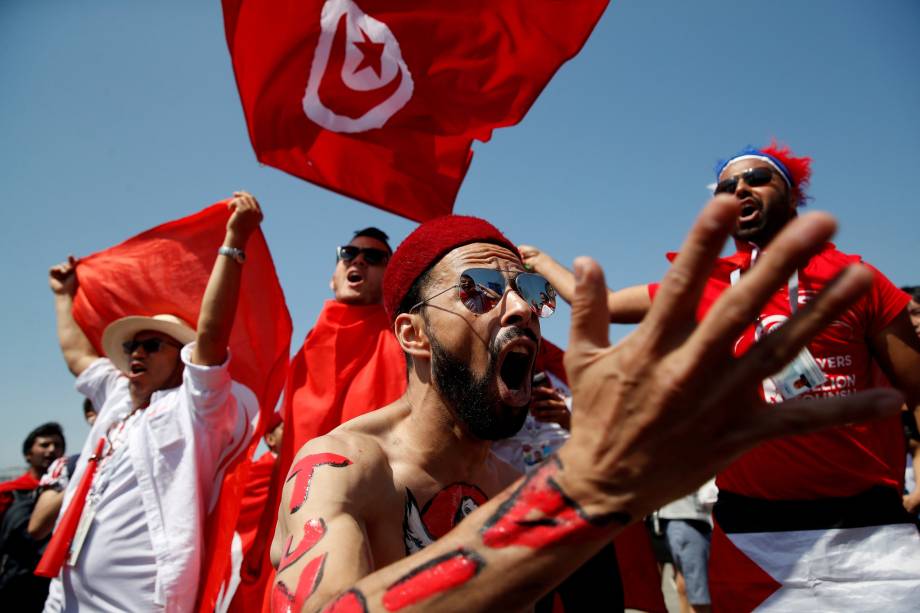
(155, 490)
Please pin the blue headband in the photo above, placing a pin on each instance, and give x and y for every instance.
(752, 153)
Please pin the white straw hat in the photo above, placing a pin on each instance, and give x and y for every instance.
(123, 330)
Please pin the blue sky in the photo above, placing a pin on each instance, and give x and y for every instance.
(118, 115)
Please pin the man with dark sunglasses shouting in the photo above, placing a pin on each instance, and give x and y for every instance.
(407, 508)
(170, 419)
(798, 518)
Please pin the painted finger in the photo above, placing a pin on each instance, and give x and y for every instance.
(683, 284)
(740, 305)
(780, 347)
(589, 307)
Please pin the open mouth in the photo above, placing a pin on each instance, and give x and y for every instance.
(515, 369)
(137, 368)
(749, 211)
(514, 372)
(354, 276)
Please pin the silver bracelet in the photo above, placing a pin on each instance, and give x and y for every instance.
(232, 252)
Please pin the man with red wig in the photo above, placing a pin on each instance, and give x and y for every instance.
(407, 507)
(814, 521)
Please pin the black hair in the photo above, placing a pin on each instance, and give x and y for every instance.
(376, 234)
(51, 428)
(88, 406)
(913, 290)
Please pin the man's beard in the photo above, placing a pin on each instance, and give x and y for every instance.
(474, 400)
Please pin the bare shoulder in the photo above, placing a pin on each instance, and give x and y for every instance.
(378, 424)
(349, 464)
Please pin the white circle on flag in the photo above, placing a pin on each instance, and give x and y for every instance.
(358, 79)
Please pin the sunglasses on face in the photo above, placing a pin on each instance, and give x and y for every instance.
(150, 345)
(480, 289)
(372, 256)
(753, 177)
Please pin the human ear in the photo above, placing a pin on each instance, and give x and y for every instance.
(412, 335)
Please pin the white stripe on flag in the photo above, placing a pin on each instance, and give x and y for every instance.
(876, 568)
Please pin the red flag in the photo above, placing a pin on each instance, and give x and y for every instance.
(380, 99)
(166, 270)
(639, 570)
(255, 527)
(350, 363)
(549, 358)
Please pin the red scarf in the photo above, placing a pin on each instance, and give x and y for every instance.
(59, 545)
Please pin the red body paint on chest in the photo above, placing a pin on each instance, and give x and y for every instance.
(539, 514)
(436, 576)
(351, 601)
(302, 473)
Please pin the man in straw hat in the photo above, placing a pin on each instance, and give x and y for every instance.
(362, 505)
(170, 419)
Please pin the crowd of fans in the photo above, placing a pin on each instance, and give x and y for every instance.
(425, 392)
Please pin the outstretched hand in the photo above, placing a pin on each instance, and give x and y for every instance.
(245, 217)
(673, 391)
(63, 277)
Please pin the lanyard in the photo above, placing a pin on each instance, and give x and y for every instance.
(792, 286)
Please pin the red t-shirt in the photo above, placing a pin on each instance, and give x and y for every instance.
(839, 461)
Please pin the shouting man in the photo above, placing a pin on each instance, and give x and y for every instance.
(362, 505)
(796, 517)
(170, 419)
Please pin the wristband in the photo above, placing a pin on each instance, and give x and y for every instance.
(233, 253)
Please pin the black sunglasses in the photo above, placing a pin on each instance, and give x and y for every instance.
(480, 289)
(372, 256)
(753, 177)
(150, 345)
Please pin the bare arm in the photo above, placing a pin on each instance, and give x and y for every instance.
(320, 544)
(897, 349)
(624, 458)
(626, 306)
(218, 306)
(45, 513)
(78, 352)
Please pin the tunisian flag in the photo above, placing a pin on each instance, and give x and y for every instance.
(166, 270)
(380, 100)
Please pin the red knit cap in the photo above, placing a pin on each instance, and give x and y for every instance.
(427, 245)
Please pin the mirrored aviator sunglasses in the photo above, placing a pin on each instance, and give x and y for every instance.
(753, 177)
(372, 256)
(480, 289)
